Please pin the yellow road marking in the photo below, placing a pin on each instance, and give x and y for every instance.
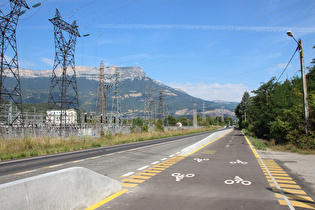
(159, 166)
(208, 152)
(154, 168)
(133, 180)
(140, 177)
(296, 197)
(95, 206)
(165, 164)
(282, 178)
(147, 174)
(286, 186)
(299, 204)
(276, 174)
(128, 185)
(151, 170)
(291, 191)
(283, 181)
(290, 196)
(209, 143)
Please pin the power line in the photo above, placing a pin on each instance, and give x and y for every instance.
(181, 44)
(288, 63)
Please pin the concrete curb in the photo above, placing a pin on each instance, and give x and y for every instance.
(72, 188)
(204, 141)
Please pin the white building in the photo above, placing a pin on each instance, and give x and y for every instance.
(53, 117)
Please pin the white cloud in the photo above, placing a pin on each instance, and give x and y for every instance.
(211, 92)
(47, 61)
(210, 27)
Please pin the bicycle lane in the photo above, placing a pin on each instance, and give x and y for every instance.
(222, 175)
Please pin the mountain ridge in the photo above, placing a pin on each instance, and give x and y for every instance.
(133, 81)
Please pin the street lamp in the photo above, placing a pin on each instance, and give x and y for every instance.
(303, 77)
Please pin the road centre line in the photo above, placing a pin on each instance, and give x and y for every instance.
(144, 167)
(54, 166)
(77, 161)
(128, 174)
(25, 172)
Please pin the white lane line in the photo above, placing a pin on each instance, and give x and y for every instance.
(128, 174)
(25, 172)
(172, 155)
(95, 157)
(156, 162)
(144, 167)
(164, 159)
(177, 153)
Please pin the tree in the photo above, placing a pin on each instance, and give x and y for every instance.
(242, 109)
(171, 120)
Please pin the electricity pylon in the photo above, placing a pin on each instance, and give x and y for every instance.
(101, 105)
(116, 106)
(10, 87)
(63, 92)
(146, 102)
(160, 108)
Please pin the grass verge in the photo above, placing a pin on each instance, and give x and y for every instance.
(264, 145)
(258, 143)
(31, 146)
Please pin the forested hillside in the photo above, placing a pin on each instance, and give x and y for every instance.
(275, 112)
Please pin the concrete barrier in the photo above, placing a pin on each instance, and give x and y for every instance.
(72, 188)
(204, 141)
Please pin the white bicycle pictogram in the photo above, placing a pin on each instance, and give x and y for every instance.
(200, 159)
(180, 176)
(237, 180)
(238, 161)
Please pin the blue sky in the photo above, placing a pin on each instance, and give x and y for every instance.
(214, 50)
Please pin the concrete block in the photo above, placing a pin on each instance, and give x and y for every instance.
(203, 142)
(72, 188)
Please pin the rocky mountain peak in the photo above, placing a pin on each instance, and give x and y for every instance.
(89, 72)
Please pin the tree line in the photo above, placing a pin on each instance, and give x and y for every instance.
(275, 111)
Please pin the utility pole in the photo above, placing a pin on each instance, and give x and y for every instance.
(303, 77)
(304, 85)
(10, 88)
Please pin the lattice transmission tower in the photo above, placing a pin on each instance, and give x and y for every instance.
(152, 106)
(146, 102)
(116, 104)
(160, 108)
(63, 92)
(10, 87)
(101, 105)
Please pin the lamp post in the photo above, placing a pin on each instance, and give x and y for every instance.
(303, 77)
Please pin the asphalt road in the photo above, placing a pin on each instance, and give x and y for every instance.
(112, 161)
(226, 174)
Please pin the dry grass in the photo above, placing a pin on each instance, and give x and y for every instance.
(264, 145)
(29, 146)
